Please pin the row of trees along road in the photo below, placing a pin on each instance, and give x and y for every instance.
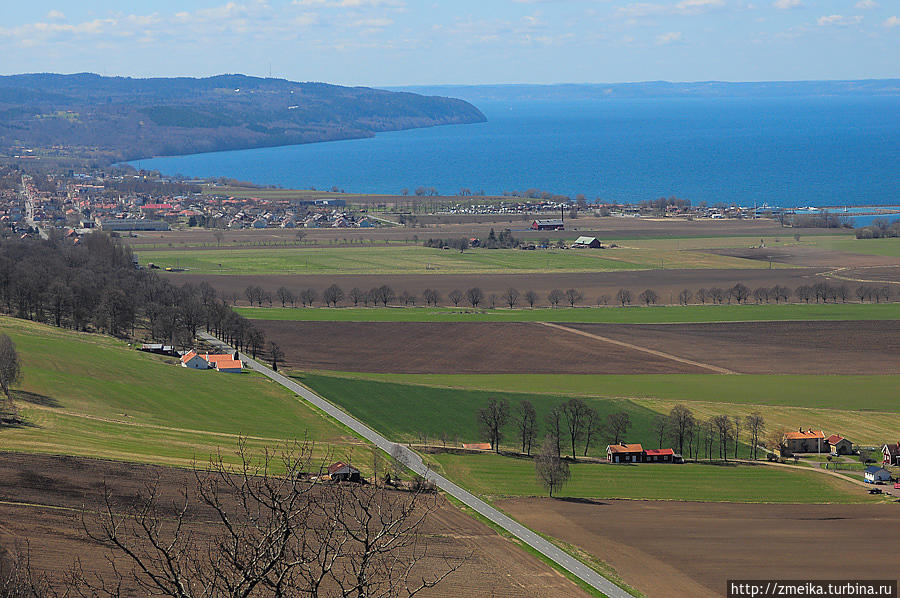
(384, 295)
(574, 427)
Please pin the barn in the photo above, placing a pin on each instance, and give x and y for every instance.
(659, 456)
(839, 445)
(343, 472)
(551, 224)
(587, 242)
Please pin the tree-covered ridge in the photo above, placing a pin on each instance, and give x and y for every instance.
(129, 118)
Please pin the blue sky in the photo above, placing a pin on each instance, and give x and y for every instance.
(397, 42)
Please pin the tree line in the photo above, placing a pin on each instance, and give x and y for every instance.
(570, 429)
(384, 295)
(96, 286)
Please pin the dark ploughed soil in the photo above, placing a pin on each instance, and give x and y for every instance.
(443, 348)
(690, 550)
(41, 499)
(858, 347)
(807, 256)
(459, 347)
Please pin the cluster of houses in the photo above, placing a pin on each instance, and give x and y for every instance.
(635, 453)
(229, 363)
(814, 441)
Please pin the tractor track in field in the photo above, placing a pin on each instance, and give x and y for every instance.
(707, 366)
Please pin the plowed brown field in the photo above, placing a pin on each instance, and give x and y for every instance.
(461, 347)
(690, 550)
(41, 499)
(469, 347)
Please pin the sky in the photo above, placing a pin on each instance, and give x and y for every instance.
(408, 42)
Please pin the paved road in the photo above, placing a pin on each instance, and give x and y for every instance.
(414, 462)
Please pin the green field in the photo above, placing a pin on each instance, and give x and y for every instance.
(661, 314)
(436, 403)
(502, 476)
(403, 411)
(424, 260)
(88, 394)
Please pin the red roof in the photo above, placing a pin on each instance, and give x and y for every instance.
(230, 364)
(156, 206)
(217, 358)
(479, 446)
(834, 439)
(625, 448)
(810, 435)
(188, 356)
(660, 452)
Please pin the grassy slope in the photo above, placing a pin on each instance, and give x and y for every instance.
(671, 314)
(834, 403)
(422, 260)
(92, 395)
(494, 475)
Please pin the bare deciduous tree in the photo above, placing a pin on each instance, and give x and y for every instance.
(275, 354)
(531, 297)
(474, 296)
(685, 296)
(554, 422)
(333, 295)
(756, 425)
(624, 297)
(455, 296)
(526, 425)
(552, 472)
(10, 369)
(554, 297)
(511, 297)
(648, 297)
(573, 296)
(275, 534)
(575, 411)
(617, 425)
(493, 417)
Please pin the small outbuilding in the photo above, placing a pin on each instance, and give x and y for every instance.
(549, 224)
(587, 242)
(343, 472)
(839, 445)
(877, 475)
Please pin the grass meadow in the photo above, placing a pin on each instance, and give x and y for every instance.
(448, 404)
(414, 259)
(92, 395)
(499, 476)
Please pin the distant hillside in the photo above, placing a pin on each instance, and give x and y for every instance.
(661, 89)
(119, 118)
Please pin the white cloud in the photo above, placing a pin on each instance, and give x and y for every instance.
(55, 15)
(840, 20)
(349, 3)
(892, 22)
(669, 38)
(866, 4)
(685, 7)
(787, 4)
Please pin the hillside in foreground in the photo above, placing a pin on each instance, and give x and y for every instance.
(120, 118)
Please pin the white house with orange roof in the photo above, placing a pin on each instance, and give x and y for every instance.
(193, 360)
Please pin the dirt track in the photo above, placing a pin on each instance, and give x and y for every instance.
(772, 347)
(667, 283)
(446, 348)
(689, 550)
(41, 499)
(490, 348)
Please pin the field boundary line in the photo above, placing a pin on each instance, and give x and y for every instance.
(886, 490)
(663, 354)
(834, 274)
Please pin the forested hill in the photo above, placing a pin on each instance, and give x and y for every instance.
(119, 118)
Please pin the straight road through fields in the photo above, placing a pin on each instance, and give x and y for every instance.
(414, 462)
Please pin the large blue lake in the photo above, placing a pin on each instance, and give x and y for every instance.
(781, 151)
